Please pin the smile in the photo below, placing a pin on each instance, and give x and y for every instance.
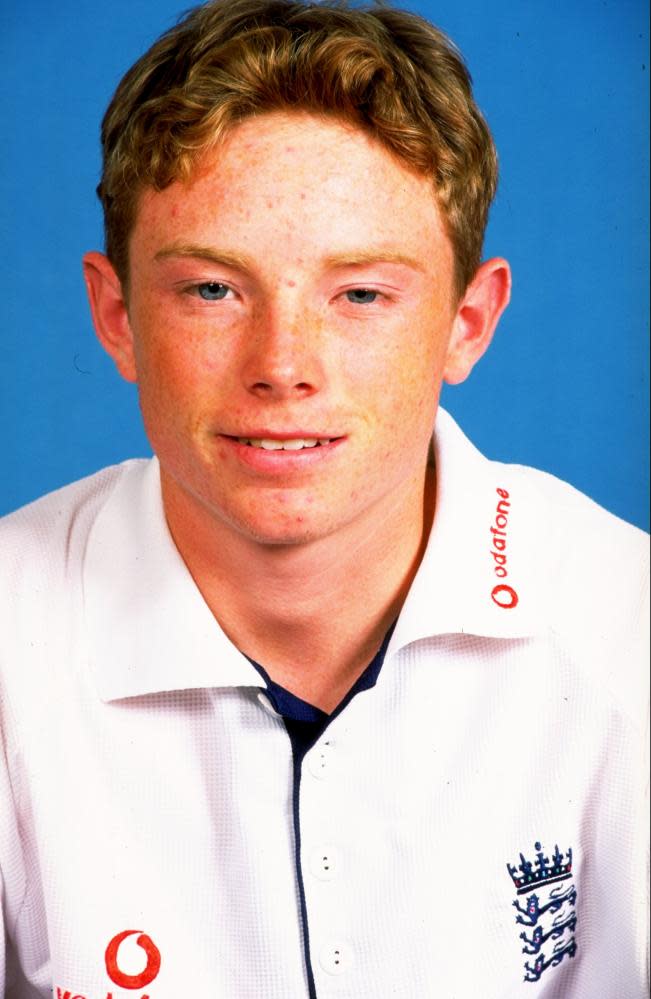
(297, 444)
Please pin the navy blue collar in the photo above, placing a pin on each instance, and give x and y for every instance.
(295, 709)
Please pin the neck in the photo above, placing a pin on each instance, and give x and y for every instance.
(313, 615)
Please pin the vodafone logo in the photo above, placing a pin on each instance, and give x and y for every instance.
(503, 595)
(130, 981)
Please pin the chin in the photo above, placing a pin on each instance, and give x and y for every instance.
(281, 534)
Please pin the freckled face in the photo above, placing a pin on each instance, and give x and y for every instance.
(299, 288)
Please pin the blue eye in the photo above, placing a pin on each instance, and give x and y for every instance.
(212, 291)
(361, 296)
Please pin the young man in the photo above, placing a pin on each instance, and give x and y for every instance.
(342, 708)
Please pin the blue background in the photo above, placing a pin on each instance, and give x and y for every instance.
(564, 386)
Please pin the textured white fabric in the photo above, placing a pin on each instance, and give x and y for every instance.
(146, 784)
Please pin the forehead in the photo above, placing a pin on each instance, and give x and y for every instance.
(297, 183)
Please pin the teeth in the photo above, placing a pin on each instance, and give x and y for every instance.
(291, 445)
(296, 445)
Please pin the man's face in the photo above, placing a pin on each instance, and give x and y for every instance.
(298, 289)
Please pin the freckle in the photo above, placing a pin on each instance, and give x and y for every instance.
(302, 195)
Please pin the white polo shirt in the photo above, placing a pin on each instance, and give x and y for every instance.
(471, 827)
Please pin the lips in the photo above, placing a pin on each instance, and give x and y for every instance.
(267, 452)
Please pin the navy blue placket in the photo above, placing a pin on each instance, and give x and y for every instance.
(305, 724)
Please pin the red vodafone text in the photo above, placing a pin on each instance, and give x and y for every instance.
(502, 594)
(69, 994)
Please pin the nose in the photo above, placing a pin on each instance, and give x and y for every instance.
(284, 355)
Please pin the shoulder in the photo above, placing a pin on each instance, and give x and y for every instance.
(592, 570)
(575, 574)
(42, 541)
(45, 582)
(590, 557)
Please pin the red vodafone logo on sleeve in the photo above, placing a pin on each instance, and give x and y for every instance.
(132, 981)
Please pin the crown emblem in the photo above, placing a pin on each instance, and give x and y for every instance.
(530, 874)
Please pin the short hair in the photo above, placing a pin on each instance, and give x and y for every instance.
(384, 70)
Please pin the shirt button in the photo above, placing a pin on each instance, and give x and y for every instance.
(335, 958)
(324, 863)
(318, 760)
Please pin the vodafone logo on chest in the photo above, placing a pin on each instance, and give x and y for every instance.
(131, 981)
(123, 967)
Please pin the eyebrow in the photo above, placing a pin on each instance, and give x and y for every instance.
(227, 258)
(224, 257)
(361, 258)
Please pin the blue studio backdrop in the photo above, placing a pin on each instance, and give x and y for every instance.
(564, 386)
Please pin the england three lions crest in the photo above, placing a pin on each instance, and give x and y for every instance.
(548, 913)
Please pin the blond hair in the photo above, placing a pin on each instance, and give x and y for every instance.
(384, 70)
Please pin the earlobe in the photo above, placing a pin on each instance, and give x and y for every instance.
(109, 312)
(483, 303)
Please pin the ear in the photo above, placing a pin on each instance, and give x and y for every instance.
(483, 303)
(109, 311)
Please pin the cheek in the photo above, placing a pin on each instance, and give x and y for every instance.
(181, 364)
(411, 378)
